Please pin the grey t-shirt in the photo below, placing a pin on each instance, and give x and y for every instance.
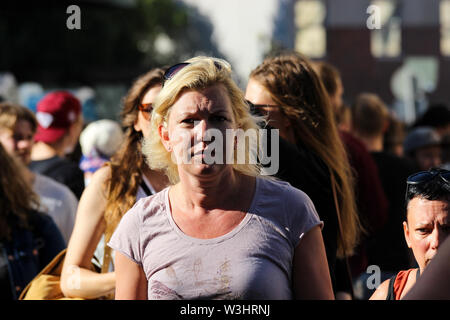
(253, 261)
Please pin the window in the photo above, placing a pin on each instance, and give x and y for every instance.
(311, 33)
(445, 27)
(386, 41)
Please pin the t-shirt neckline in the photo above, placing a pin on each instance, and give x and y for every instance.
(221, 238)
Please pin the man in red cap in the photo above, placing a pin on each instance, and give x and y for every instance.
(60, 122)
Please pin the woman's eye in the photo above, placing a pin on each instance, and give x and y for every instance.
(188, 121)
(219, 118)
(423, 230)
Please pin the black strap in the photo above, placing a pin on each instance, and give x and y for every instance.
(390, 295)
(145, 188)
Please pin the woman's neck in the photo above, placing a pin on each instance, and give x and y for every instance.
(209, 193)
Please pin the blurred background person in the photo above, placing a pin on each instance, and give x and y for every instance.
(17, 129)
(385, 248)
(344, 118)
(394, 136)
(289, 93)
(436, 116)
(29, 239)
(99, 141)
(60, 122)
(112, 191)
(426, 228)
(423, 146)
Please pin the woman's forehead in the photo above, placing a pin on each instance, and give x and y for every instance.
(212, 99)
(421, 208)
(151, 94)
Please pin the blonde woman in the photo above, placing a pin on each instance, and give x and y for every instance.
(220, 231)
(289, 93)
(113, 190)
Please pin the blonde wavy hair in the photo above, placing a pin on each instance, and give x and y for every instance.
(201, 72)
(128, 163)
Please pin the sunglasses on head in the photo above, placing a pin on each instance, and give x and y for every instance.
(173, 70)
(146, 109)
(426, 176)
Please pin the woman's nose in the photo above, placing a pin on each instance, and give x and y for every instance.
(200, 129)
(436, 238)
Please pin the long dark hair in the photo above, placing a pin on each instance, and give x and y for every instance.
(17, 197)
(128, 163)
(294, 85)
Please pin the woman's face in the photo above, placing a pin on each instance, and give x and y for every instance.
(428, 225)
(260, 97)
(196, 131)
(142, 122)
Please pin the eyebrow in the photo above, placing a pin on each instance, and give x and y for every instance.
(217, 112)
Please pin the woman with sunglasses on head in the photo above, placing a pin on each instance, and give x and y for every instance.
(288, 91)
(426, 227)
(221, 230)
(113, 190)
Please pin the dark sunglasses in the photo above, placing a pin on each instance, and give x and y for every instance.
(146, 109)
(173, 70)
(258, 109)
(426, 176)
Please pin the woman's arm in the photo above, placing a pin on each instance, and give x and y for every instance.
(77, 280)
(131, 282)
(381, 292)
(311, 276)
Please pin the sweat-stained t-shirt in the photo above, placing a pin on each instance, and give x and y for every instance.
(253, 261)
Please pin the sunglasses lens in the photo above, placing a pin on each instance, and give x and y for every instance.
(420, 177)
(446, 176)
(173, 70)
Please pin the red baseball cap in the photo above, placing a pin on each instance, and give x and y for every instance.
(55, 113)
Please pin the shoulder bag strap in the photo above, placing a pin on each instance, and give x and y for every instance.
(145, 187)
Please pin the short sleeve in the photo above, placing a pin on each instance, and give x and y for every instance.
(301, 212)
(126, 237)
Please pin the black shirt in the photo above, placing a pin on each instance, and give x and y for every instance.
(61, 170)
(388, 249)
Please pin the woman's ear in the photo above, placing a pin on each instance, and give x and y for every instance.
(164, 136)
(406, 232)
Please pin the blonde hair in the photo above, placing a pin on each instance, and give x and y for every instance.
(200, 73)
(294, 85)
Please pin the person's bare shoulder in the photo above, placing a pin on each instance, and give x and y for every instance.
(100, 178)
(381, 292)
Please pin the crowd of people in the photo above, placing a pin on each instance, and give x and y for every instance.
(144, 201)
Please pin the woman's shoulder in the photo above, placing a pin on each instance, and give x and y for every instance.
(282, 190)
(382, 291)
(293, 202)
(150, 207)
